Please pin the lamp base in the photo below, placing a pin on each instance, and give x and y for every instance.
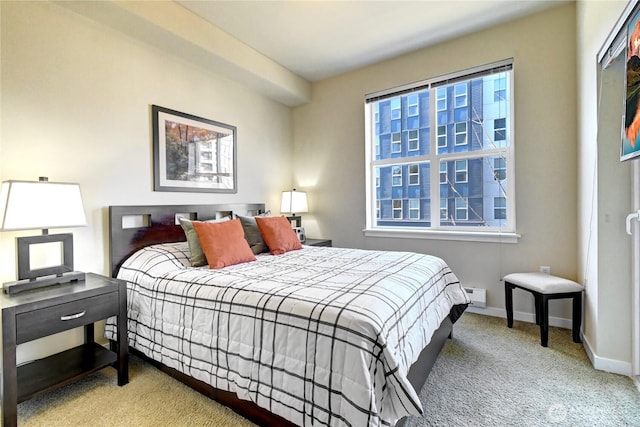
(18, 286)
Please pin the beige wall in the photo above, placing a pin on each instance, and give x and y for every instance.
(604, 196)
(75, 105)
(329, 152)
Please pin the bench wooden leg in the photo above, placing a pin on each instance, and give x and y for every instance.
(508, 297)
(544, 318)
(577, 316)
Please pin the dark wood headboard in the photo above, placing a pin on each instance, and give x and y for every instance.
(134, 227)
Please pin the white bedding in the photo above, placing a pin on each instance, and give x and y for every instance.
(319, 336)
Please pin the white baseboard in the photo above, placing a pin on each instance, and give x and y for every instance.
(519, 315)
(605, 364)
(599, 363)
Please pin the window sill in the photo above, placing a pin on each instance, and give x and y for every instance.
(463, 236)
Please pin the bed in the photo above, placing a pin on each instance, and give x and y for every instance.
(316, 336)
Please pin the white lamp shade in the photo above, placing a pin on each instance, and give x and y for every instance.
(27, 205)
(294, 202)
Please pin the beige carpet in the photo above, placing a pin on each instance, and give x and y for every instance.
(487, 375)
(151, 398)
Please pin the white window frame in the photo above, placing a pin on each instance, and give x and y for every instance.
(396, 112)
(396, 175)
(505, 232)
(415, 174)
(441, 98)
(460, 97)
(395, 209)
(462, 209)
(442, 136)
(444, 172)
(465, 141)
(464, 169)
(413, 105)
(416, 139)
(396, 143)
(414, 209)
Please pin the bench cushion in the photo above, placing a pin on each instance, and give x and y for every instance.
(543, 283)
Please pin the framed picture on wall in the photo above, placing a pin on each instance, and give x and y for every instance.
(631, 126)
(192, 153)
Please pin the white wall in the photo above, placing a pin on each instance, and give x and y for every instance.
(75, 107)
(329, 152)
(604, 200)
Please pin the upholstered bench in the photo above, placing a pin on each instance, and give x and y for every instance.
(545, 287)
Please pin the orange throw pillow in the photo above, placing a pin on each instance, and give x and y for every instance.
(278, 234)
(223, 243)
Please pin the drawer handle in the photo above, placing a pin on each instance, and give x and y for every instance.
(73, 316)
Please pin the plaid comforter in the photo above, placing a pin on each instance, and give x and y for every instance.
(319, 336)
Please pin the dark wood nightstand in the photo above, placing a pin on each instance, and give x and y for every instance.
(35, 314)
(317, 242)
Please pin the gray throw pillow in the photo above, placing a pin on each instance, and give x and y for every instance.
(252, 233)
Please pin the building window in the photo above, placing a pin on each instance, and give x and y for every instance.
(396, 176)
(414, 175)
(397, 209)
(441, 99)
(470, 144)
(500, 208)
(412, 105)
(462, 209)
(442, 136)
(413, 140)
(499, 130)
(444, 209)
(500, 169)
(461, 133)
(460, 93)
(396, 109)
(444, 170)
(461, 171)
(500, 89)
(414, 208)
(396, 142)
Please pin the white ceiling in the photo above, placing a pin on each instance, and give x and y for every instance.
(320, 39)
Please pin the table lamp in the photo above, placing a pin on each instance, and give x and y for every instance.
(28, 205)
(294, 202)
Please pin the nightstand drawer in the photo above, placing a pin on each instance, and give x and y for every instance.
(58, 318)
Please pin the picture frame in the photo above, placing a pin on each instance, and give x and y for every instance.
(630, 147)
(192, 154)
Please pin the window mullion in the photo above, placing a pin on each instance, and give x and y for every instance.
(434, 165)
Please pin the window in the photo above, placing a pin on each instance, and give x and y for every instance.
(442, 137)
(414, 175)
(441, 99)
(500, 89)
(397, 209)
(462, 209)
(499, 130)
(499, 208)
(396, 142)
(499, 169)
(414, 208)
(396, 176)
(458, 133)
(412, 105)
(460, 93)
(461, 171)
(444, 209)
(443, 172)
(461, 133)
(413, 140)
(396, 111)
